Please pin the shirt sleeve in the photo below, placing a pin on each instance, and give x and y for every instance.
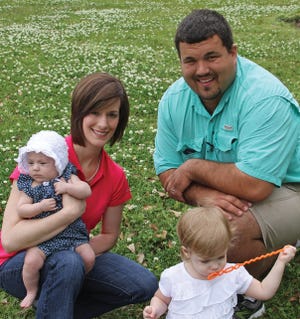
(268, 139)
(166, 143)
(165, 284)
(243, 280)
(121, 192)
(15, 174)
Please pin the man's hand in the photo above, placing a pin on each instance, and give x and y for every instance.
(177, 182)
(231, 205)
(200, 195)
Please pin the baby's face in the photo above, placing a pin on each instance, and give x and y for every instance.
(200, 267)
(41, 167)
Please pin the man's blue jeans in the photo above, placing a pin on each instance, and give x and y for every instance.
(67, 293)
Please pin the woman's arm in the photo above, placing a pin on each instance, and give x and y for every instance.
(110, 230)
(18, 234)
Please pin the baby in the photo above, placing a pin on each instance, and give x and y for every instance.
(45, 175)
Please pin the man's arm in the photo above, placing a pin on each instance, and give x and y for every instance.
(223, 177)
(208, 183)
(199, 195)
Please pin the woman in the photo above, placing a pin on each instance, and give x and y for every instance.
(100, 111)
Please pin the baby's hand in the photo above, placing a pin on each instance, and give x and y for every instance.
(48, 204)
(148, 313)
(287, 254)
(60, 186)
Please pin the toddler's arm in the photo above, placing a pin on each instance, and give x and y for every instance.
(158, 306)
(74, 187)
(27, 209)
(267, 288)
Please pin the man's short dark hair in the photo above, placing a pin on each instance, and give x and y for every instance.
(201, 25)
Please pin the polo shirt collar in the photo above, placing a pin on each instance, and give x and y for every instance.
(74, 160)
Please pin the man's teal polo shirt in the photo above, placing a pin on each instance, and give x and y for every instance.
(256, 125)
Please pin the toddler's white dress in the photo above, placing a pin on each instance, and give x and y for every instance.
(202, 299)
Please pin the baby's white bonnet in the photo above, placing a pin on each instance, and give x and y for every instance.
(50, 144)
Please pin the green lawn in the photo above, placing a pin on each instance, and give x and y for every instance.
(47, 46)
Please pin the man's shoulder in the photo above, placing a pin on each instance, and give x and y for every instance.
(258, 83)
(179, 96)
(254, 74)
(177, 88)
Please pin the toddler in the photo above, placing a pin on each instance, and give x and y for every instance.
(184, 290)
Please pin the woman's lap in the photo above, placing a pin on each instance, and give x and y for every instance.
(113, 282)
(60, 281)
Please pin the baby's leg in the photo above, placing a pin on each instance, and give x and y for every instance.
(34, 261)
(87, 254)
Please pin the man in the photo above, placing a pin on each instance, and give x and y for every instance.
(229, 135)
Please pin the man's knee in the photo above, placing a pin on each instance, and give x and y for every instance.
(246, 227)
(247, 241)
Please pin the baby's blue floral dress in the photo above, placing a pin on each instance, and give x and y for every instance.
(72, 236)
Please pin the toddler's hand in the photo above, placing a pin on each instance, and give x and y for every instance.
(148, 313)
(48, 204)
(287, 254)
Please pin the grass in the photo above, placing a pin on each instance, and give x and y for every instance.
(47, 46)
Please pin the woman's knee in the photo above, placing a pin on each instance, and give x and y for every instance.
(11, 276)
(65, 265)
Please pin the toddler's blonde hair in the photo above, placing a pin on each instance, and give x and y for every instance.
(205, 231)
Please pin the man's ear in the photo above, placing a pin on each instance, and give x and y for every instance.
(234, 50)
